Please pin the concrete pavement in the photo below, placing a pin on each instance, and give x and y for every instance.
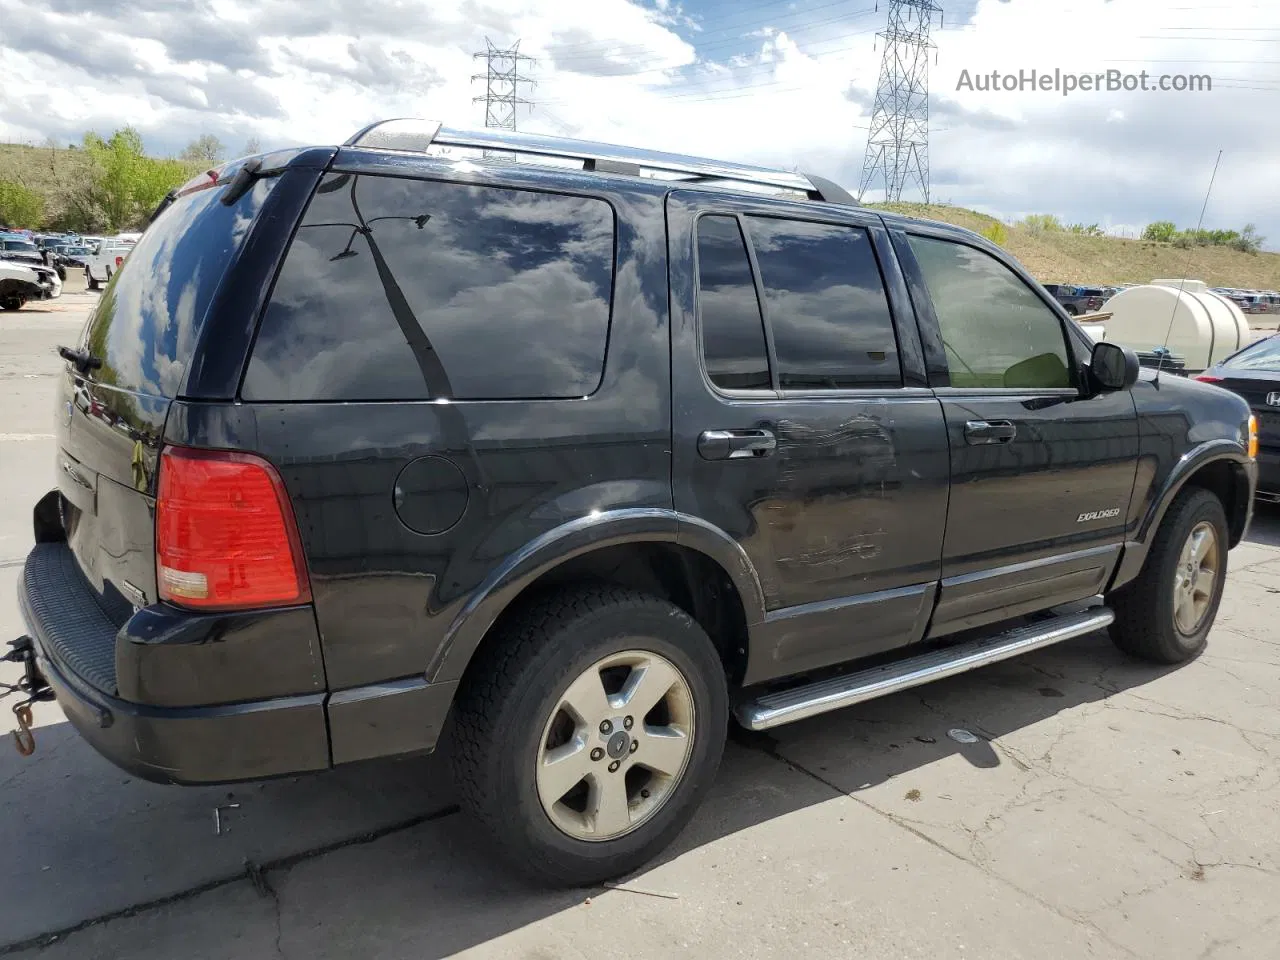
(1107, 809)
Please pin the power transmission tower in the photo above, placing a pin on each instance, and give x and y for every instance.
(898, 142)
(502, 84)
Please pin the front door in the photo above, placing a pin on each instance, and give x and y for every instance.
(1042, 470)
(802, 424)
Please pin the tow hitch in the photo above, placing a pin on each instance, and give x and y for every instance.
(23, 651)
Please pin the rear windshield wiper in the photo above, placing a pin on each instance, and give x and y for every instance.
(84, 361)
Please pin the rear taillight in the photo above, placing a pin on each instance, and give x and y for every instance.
(1208, 378)
(225, 533)
(119, 260)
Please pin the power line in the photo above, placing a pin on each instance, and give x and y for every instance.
(898, 144)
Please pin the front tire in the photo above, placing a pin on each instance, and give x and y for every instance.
(589, 731)
(12, 303)
(1164, 615)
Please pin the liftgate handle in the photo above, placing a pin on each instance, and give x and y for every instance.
(736, 444)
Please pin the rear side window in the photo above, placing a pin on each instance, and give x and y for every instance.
(996, 332)
(733, 343)
(149, 319)
(399, 289)
(826, 304)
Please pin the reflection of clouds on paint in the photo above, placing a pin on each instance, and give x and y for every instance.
(511, 287)
(149, 320)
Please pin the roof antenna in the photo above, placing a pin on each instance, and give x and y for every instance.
(1182, 282)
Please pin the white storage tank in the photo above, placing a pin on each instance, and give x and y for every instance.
(1195, 323)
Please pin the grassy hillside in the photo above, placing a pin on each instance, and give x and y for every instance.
(1058, 256)
(54, 172)
(1053, 256)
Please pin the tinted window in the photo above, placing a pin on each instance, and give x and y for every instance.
(826, 305)
(732, 330)
(996, 331)
(149, 318)
(1263, 355)
(399, 289)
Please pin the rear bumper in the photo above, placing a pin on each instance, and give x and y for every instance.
(77, 651)
(126, 689)
(246, 741)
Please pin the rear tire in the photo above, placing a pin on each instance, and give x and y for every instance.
(1164, 615)
(529, 701)
(12, 303)
(90, 281)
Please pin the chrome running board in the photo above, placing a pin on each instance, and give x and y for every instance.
(796, 703)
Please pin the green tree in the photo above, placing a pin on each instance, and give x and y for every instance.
(996, 233)
(1041, 222)
(205, 150)
(1162, 231)
(1249, 240)
(20, 206)
(125, 184)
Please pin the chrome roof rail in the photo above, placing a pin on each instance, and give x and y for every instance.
(412, 135)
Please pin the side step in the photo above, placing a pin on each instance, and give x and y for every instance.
(786, 706)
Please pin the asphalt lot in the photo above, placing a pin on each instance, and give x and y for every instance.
(1108, 809)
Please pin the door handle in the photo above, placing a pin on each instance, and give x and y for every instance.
(736, 444)
(989, 431)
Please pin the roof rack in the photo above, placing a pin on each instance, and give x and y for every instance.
(411, 135)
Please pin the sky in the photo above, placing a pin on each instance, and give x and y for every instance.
(789, 83)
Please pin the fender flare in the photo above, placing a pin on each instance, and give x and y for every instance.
(1199, 456)
(573, 539)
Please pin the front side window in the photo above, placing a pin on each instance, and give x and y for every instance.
(995, 330)
(826, 303)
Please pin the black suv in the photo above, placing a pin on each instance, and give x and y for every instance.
(365, 444)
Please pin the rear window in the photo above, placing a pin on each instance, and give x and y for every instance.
(1263, 355)
(149, 319)
(401, 289)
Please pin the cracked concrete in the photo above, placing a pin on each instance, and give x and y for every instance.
(1108, 809)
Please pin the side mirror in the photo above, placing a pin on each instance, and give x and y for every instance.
(1113, 367)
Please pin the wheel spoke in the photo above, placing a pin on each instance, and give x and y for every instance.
(586, 699)
(1199, 545)
(562, 769)
(647, 685)
(663, 750)
(1186, 611)
(608, 809)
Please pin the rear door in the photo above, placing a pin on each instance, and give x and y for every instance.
(802, 426)
(111, 412)
(1042, 471)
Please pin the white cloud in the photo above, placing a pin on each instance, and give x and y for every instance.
(764, 84)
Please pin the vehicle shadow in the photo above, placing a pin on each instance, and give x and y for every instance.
(1265, 529)
(441, 890)
(374, 860)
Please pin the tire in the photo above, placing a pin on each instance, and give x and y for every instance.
(1147, 622)
(510, 715)
(1072, 310)
(90, 281)
(12, 303)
